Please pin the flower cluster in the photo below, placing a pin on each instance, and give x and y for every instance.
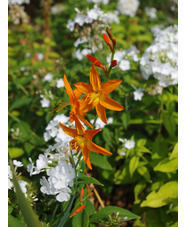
(128, 7)
(151, 12)
(18, 2)
(89, 26)
(160, 58)
(127, 145)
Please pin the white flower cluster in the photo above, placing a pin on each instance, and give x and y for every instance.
(45, 99)
(94, 19)
(53, 129)
(60, 178)
(100, 124)
(18, 15)
(18, 2)
(128, 7)
(124, 57)
(22, 184)
(151, 12)
(92, 15)
(127, 144)
(160, 58)
(138, 93)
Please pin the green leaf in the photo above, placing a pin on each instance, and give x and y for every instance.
(174, 153)
(133, 164)
(83, 179)
(125, 117)
(139, 188)
(15, 152)
(143, 171)
(169, 123)
(163, 196)
(167, 165)
(13, 222)
(141, 142)
(107, 136)
(100, 161)
(29, 216)
(109, 210)
(24, 101)
(81, 219)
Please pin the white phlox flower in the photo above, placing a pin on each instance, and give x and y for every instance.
(100, 124)
(17, 163)
(138, 94)
(128, 7)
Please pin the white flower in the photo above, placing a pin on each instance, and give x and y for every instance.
(138, 94)
(60, 83)
(99, 1)
(42, 161)
(64, 195)
(10, 184)
(45, 102)
(18, 2)
(151, 12)
(22, 185)
(28, 55)
(70, 25)
(124, 65)
(48, 77)
(17, 163)
(40, 56)
(129, 144)
(57, 8)
(128, 7)
(80, 54)
(32, 169)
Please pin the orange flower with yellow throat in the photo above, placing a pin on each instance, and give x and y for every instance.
(96, 94)
(83, 140)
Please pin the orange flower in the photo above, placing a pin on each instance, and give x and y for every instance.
(97, 95)
(83, 141)
(77, 210)
(75, 103)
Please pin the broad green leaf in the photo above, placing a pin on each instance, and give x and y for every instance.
(90, 209)
(143, 171)
(174, 153)
(107, 136)
(29, 216)
(100, 161)
(139, 188)
(141, 142)
(169, 123)
(83, 179)
(144, 150)
(163, 196)
(13, 222)
(15, 152)
(133, 164)
(81, 219)
(109, 210)
(167, 165)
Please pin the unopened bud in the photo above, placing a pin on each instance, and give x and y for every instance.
(77, 210)
(114, 42)
(81, 195)
(113, 63)
(109, 33)
(95, 61)
(108, 41)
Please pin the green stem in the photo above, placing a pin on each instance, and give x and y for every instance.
(95, 119)
(15, 118)
(112, 57)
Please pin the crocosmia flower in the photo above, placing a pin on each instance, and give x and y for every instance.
(83, 141)
(96, 94)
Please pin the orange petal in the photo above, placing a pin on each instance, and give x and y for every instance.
(85, 152)
(110, 85)
(79, 127)
(69, 131)
(83, 87)
(84, 106)
(107, 40)
(84, 121)
(101, 112)
(95, 61)
(69, 90)
(94, 147)
(77, 93)
(95, 79)
(91, 133)
(110, 104)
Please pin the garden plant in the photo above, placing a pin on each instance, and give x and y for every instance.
(93, 113)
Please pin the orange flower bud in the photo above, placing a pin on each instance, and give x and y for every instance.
(95, 61)
(81, 194)
(113, 63)
(114, 42)
(109, 33)
(108, 41)
(77, 210)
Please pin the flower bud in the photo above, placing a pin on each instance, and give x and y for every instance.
(95, 61)
(114, 42)
(81, 195)
(109, 33)
(108, 41)
(77, 210)
(113, 63)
